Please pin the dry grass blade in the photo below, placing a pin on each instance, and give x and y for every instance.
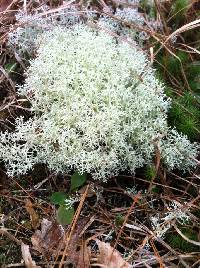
(54, 10)
(2, 70)
(5, 4)
(191, 49)
(184, 28)
(4, 231)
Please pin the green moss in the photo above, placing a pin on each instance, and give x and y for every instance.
(189, 126)
(179, 10)
(169, 92)
(175, 113)
(173, 64)
(180, 6)
(119, 219)
(195, 84)
(10, 67)
(193, 68)
(185, 115)
(149, 172)
(193, 75)
(188, 99)
(178, 243)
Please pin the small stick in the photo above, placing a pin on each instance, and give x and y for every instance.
(10, 236)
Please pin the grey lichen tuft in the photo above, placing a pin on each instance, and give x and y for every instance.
(98, 108)
(23, 39)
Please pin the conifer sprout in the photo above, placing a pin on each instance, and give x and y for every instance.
(98, 108)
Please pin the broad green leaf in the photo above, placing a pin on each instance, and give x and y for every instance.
(10, 67)
(77, 180)
(58, 198)
(65, 215)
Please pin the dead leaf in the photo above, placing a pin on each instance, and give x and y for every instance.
(83, 257)
(49, 239)
(50, 242)
(110, 257)
(79, 257)
(29, 263)
(33, 215)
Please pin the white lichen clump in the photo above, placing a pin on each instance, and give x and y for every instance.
(118, 25)
(98, 108)
(23, 39)
(176, 212)
(130, 23)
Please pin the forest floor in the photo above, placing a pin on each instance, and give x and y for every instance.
(151, 219)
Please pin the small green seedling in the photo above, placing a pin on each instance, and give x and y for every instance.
(77, 180)
(65, 213)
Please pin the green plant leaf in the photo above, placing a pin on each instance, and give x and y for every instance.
(77, 180)
(10, 67)
(58, 198)
(65, 215)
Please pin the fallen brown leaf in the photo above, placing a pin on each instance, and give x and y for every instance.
(49, 239)
(110, 257)
(80, 258)
(83, 257)
(33, 215)
(28, 261)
